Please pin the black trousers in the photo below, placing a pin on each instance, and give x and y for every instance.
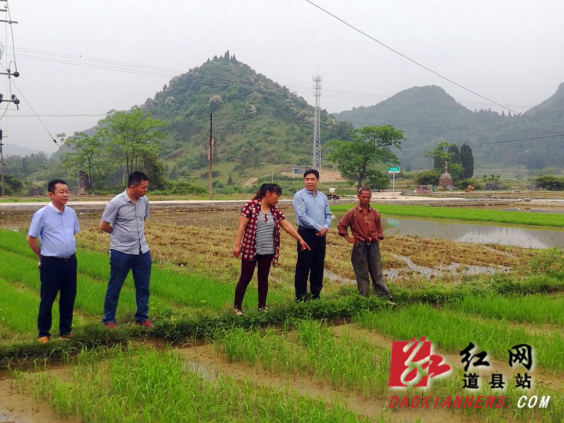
(310, 263)
(247, 270)
(57, 276)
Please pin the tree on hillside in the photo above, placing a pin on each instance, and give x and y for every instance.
(90, 155)
(467, 159)
(358, 158)
(133, 135)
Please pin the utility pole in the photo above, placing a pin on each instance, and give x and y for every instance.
(210, 158)
(13, 99)
(317, 124)
(2, 163)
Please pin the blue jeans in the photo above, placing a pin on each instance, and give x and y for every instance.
(121, 264)
(57, 277)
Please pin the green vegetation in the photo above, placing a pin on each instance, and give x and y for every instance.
(493, 336)
(471, 215)
(550, 182)
(148, 385)
(346, 362)
(370, 146)
(515, 308)
(18, 264)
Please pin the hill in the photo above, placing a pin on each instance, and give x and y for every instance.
(255, 120)
(428, 115)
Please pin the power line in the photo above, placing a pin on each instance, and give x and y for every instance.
(33, 110)
(523, 139)
(408, 58)
(469, 128)
(55, 116)
(136, 69)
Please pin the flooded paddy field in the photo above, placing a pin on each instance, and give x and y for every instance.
(320, 361)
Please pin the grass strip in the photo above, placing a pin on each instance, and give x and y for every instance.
(492, 336)
(147, 385)
(470, 215)
(497, 284)
(176, 326)
(522, 309)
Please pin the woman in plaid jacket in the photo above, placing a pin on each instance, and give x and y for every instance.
(258, 241)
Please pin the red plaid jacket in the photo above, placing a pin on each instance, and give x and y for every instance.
(248, 245)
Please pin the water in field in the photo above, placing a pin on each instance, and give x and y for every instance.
(478, 233)
(462, 232)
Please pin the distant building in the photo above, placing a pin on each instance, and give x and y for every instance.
(299, 170)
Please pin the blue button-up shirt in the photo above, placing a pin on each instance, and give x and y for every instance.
(312, 210)
(56, 230)
(128, 222)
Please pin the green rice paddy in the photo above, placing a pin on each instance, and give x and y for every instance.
(469, 215)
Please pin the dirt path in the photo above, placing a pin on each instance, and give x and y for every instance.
(18, 407)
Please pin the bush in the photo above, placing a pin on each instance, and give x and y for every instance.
(550, 182)
(465, 182)
(428, 177)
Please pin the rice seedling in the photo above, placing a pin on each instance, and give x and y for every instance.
(18, 310)
(453, 331)
(517, 308)
(344, 362)
(187, 289)
(472, 215)
(146, 385)
(90, 294)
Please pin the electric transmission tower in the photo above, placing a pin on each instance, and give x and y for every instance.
(317, 124)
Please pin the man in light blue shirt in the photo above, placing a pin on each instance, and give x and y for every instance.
(55, 225)
(314, 219)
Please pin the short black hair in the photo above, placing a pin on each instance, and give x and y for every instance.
(361, 189)
(315, 172)
(51, 185)
(136, 178)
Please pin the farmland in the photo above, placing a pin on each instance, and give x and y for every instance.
(469, 215)
(317, 361)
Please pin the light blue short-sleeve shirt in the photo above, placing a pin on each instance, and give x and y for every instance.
(55, 230)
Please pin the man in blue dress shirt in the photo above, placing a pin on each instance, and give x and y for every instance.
(55, 225)
(314, 219)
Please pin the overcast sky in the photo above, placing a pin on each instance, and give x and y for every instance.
(506, 50)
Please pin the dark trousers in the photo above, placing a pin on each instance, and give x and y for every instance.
(56, 276)
(367, 263)
(247, 269)
(310, 261)
(121, 264)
